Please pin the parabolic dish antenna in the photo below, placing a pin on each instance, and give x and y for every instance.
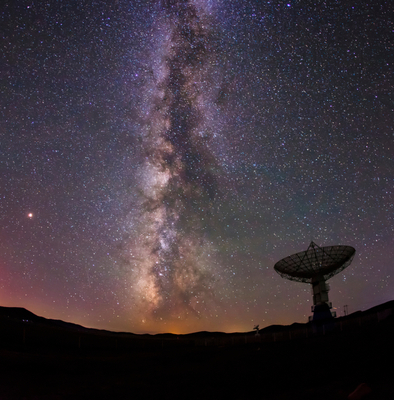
(315, 266)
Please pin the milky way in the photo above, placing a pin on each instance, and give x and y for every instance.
(158, 159)
(179, 185)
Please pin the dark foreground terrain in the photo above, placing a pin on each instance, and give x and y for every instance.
(46, 359)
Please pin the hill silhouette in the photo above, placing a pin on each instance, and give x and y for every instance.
(19, 314)
(51, 359)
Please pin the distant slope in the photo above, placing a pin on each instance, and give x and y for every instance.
(22, 315)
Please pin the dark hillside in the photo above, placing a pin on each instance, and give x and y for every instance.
(41, 360)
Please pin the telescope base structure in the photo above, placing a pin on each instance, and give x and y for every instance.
(322, 312)
(321, 306)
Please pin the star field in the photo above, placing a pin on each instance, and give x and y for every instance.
(158, 159)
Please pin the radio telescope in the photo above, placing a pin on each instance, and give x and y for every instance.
(315, 266)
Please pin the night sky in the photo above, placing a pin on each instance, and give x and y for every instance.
(159, 157)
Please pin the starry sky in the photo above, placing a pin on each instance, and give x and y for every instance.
(158, 158)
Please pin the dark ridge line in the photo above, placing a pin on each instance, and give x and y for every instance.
(23, 315)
